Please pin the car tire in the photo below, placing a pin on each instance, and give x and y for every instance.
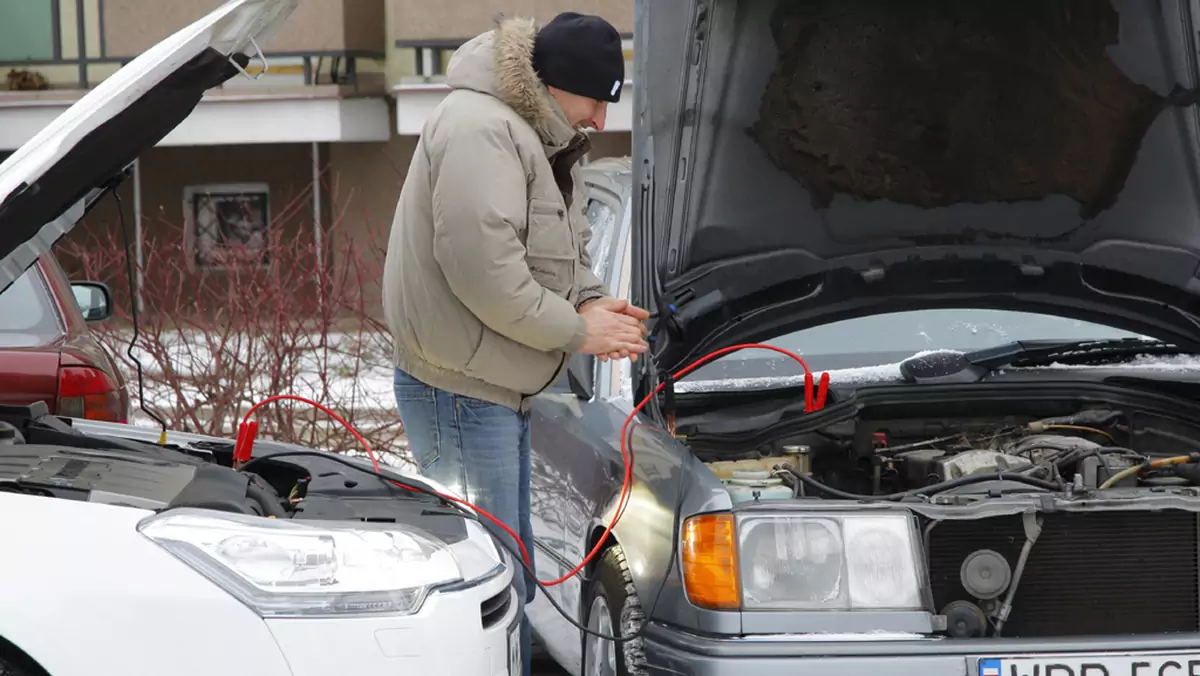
(612, 607)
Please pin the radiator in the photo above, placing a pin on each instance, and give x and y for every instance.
(1088, 574)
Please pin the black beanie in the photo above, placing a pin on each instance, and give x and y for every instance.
(581, 54)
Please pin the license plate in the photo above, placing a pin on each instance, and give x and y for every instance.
(514, 650)
(1179, 664)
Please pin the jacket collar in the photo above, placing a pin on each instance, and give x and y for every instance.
(519, 86)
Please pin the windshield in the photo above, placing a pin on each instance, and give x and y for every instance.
(874, 345)
(27, 315)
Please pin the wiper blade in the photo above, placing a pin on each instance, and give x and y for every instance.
(1074, 352)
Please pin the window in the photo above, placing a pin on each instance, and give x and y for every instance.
(27, 30)
(227, 225)
(430, 61)
(28, 317)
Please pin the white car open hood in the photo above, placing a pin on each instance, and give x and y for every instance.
(49, 183)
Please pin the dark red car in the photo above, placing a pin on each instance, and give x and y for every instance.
(47, 352)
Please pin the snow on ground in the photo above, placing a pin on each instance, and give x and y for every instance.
(342, 368)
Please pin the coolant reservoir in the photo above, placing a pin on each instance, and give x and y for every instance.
(725, 469)
(752, 485)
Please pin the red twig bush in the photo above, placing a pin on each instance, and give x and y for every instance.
(213, 342)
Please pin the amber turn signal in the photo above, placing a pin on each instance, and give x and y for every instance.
(710, 571)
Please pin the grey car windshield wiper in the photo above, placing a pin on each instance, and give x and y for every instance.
(1074, 352)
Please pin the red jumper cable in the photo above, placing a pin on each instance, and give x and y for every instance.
(813, 401)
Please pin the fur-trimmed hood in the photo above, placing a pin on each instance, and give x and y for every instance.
(500, 63)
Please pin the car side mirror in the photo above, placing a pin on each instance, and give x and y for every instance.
(94, 300)
(581, 375)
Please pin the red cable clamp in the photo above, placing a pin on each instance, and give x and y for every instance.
(815, 402)
(243, 448)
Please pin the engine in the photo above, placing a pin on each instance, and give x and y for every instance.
(1086, 451)
(1026, 521)
(42, 455)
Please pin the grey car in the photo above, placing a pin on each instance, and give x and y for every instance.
(981, 221)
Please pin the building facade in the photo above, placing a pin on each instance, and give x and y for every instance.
(315, 145)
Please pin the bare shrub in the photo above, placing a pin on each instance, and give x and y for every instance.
(213, 342)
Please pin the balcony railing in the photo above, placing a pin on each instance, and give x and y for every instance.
(322, 42)
(32, 34)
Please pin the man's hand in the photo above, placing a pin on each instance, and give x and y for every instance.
(617, 305)
(629, 311)
(612, 331)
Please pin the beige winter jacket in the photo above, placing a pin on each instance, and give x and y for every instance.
(487, 259)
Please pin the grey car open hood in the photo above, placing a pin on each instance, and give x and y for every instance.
(800, 162)
(48, 184)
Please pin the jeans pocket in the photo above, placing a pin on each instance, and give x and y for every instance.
(461, 401)
(424, 455)
(476, 416)
(417, 405)
(407, 388)
(420, 427)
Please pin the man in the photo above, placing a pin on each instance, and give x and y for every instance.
(488, 287)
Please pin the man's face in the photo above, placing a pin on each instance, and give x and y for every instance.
(581, 111)
(594, 116)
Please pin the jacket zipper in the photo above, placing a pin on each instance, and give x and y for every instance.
(579, 140)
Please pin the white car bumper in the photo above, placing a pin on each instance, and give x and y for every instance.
(446, 637)
(84, 593)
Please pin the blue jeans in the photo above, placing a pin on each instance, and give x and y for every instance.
(481, 451)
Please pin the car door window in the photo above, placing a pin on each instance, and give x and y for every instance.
(27, 313)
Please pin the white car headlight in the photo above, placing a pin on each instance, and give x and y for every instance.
(830, 562)
(283, 568)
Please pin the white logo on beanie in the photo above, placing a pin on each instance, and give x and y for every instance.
(616, 86)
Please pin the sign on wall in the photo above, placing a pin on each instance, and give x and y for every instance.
(227, 225)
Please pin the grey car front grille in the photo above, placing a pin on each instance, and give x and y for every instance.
(1088, 574)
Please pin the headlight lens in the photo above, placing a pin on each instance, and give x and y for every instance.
(829, 562)
(284, 568)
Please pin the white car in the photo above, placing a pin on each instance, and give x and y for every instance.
(122, 556)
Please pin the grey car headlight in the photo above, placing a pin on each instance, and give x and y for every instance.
(283, 568)
(837, 561)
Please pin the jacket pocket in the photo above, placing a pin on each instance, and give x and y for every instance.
(550, 249)
(513, 366)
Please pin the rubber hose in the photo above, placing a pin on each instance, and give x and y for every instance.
(1130, 471)
(935, 488)
(271, 506)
